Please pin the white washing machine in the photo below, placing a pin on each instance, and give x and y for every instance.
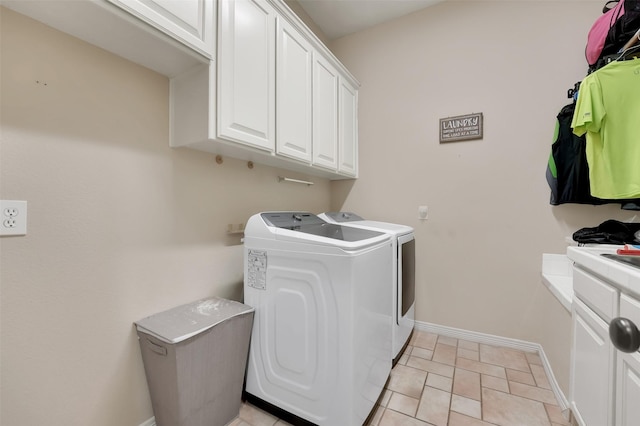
(320, 346)
(403, 264)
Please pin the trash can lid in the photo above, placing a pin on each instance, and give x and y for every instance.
(182, 322)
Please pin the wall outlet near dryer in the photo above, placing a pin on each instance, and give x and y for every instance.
(423, 212)
(13, 217)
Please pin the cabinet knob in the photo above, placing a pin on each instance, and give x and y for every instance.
(624, 334)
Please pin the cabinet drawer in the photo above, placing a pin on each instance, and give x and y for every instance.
(595, 293)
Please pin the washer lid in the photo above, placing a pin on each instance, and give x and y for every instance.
(182, 322)
(391, 228)
(311, 224)
(352, 219)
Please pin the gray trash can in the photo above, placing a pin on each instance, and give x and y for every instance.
(195, 357)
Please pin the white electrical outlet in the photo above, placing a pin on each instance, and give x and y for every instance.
(423, 212)
(13, 217)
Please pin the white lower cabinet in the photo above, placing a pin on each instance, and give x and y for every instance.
(628, 390)
(605, 381)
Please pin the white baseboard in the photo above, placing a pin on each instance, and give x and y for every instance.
(150, 422)
(489, 339)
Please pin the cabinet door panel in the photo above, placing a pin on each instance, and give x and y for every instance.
(628, 392)
(293, 96)
(592, 368)
(325, 114)
(246, 85)
(348, 125)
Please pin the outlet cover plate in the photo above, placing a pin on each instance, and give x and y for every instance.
(13, 217)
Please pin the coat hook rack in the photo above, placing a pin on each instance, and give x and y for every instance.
(286, 179)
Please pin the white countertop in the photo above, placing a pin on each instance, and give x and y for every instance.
(624, 277)
(557, 275)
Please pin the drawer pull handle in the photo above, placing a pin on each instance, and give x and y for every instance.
(624, 334)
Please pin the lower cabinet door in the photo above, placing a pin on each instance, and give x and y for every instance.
(592, 369)
(628, 393)
(628, 387)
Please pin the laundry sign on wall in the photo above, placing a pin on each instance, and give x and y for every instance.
(461, 127)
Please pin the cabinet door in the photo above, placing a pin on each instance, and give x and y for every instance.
(628, 388)
(592, 368)
(628, 392)
(246, 73)
(293, 93)
(192, 22)
(325, 113)
(348, 128)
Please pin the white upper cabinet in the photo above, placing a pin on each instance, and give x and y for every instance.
(190, 21)
(348, 128)
(274, 95)
(293, 93)
(246, 73)
(325, 113)
(605, 365)
(280, 91)
(169, 37)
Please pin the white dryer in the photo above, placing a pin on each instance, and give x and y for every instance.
(403, 264)
(321, 340)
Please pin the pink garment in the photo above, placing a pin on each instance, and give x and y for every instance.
(599, 30)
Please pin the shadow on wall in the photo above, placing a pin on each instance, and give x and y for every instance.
(576, 216)
(340, 190)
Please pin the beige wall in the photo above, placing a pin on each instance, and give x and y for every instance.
(479, 253)
(120, 226)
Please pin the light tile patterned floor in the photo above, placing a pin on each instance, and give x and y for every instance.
(441, 381)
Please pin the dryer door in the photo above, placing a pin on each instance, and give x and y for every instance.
(406, 274)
